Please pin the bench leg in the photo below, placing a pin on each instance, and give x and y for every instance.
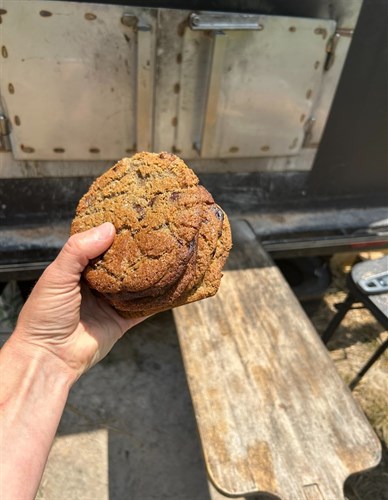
(335, 322)
(369, 363)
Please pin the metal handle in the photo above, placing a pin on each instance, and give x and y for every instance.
(220, 21)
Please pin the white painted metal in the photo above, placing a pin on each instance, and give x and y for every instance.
(11, 168)
(330, 81)
(212, 112)
(267, 82)
(62, 68)
(72, 73)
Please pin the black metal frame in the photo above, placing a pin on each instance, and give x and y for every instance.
(354, 296)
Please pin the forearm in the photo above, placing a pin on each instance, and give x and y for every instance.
(33, 390)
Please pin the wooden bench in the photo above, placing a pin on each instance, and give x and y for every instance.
(273, 414)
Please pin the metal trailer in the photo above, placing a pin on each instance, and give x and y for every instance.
(279, 106)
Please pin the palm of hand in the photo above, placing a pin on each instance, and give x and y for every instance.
(71, 323)
(62, 317)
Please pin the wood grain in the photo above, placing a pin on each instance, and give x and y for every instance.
(272, 412)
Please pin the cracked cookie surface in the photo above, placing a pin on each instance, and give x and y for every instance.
(169, 233)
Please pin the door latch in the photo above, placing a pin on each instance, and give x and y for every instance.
(332, 45)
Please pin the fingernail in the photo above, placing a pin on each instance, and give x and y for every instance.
(104, 231)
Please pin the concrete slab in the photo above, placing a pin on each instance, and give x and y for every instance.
(77, 468)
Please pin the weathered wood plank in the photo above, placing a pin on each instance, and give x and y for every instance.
(273, 414)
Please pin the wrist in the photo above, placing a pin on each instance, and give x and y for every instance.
(35, 358)
(33, 392)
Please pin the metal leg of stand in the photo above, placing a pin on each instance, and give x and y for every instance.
(335, 322)
(369, 363)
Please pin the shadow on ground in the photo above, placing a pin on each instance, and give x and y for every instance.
(349, 331)
(139, 395)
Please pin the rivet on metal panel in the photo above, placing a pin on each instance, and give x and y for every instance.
(4, 51)
(17, 120)
(59, 150)
(194, 20)
(27, 149)
(11, 88)
(234, 149)
(309, 93)
(321, 31)
(94, 150)
(45, 13)
(89, 16)
(129, 20)
(182, 27)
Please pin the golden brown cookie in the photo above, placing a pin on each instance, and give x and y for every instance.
(171, 240)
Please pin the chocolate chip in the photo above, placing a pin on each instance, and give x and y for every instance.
(218, 213)
(140, 210)
(191, 245)
(175, 196)
(151, 202)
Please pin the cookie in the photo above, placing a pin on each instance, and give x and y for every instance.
(171, 242)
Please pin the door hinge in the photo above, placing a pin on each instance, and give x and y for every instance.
(5, 143)
(308, 132)
(332, 45)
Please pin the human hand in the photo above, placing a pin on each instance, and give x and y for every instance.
(62, 318)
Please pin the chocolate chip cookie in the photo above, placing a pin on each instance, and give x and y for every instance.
(171, 242)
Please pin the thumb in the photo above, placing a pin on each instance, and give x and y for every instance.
(80, 248)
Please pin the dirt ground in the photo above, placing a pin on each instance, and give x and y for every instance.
(356, 339)
(103, 452)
